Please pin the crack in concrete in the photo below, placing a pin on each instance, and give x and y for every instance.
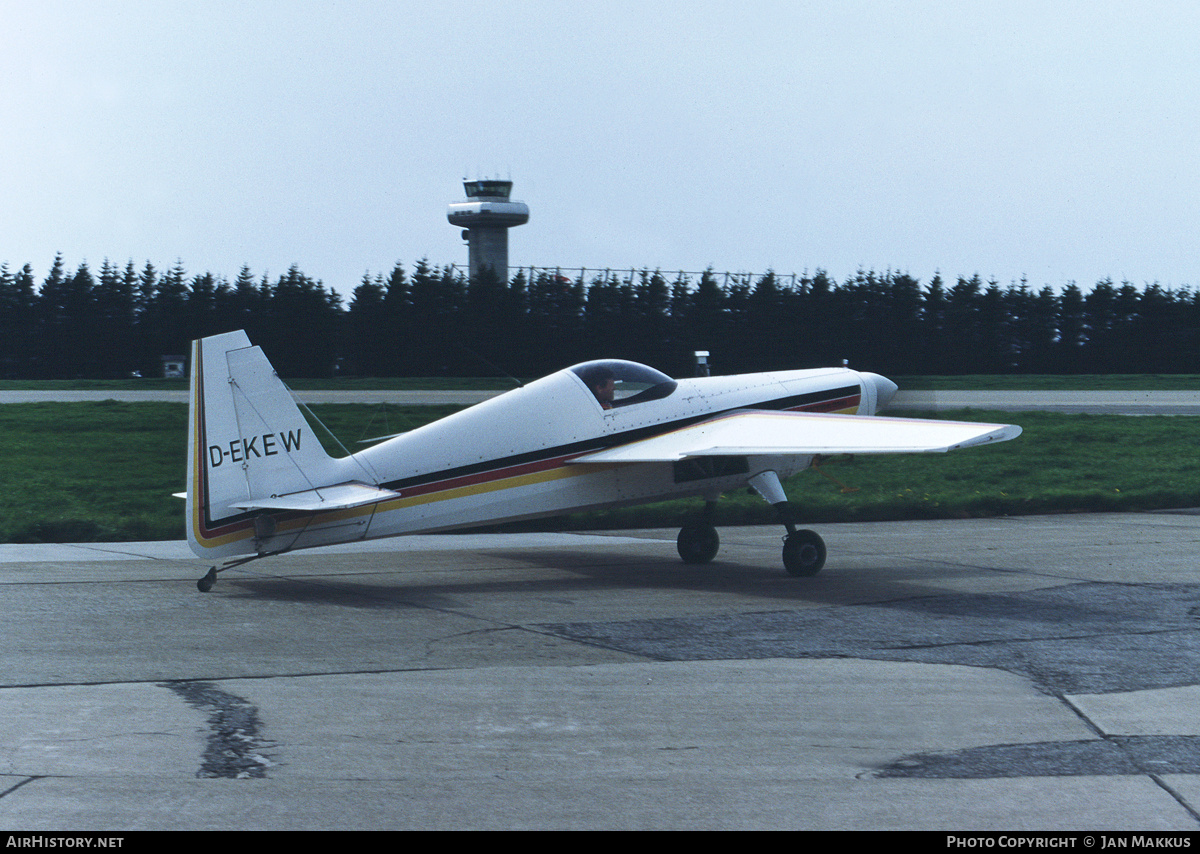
(16, 786)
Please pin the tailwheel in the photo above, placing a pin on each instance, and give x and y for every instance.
(206, 583)
(698, 542)
(803, 553)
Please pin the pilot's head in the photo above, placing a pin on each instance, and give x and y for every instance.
(602, 382)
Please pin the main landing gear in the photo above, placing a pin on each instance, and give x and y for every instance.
(803, 550)
(698, 541)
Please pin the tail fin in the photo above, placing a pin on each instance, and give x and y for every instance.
(248, 446)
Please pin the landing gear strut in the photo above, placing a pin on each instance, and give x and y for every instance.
(206, 583)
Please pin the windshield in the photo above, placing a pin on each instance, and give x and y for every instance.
(618, 383)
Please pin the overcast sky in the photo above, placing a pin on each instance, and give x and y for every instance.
(1055, 141)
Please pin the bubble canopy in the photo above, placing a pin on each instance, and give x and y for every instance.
(633, 382)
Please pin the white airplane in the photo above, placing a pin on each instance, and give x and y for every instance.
(599, 434)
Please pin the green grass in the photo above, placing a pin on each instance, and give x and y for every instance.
(1060, 463)
(81, 472)
(77, 472)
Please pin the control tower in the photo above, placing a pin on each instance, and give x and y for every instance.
(487, 215)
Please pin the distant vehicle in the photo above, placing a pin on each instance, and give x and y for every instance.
(599, 434)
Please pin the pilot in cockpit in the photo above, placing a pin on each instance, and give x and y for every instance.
(602, 382)
(639, 384)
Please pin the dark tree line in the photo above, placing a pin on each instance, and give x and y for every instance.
(430, 321)
(120, 322)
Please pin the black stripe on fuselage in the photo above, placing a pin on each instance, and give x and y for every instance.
(601, 443)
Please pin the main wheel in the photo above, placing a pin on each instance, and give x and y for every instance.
(206, 583)
(698, 542)
(803, 553)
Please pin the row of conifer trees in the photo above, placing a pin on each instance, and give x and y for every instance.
(429, 321)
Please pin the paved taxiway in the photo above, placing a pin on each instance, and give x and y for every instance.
(1021, 673)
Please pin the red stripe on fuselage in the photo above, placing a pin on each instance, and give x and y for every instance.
(830, 405)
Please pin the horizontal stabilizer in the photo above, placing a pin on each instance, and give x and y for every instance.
(340, 497)
(759, 432)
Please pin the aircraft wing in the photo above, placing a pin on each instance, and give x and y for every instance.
(760, 432)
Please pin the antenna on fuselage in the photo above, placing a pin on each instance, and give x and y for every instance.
(493, 366)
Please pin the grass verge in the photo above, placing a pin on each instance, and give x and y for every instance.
(80, 472)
